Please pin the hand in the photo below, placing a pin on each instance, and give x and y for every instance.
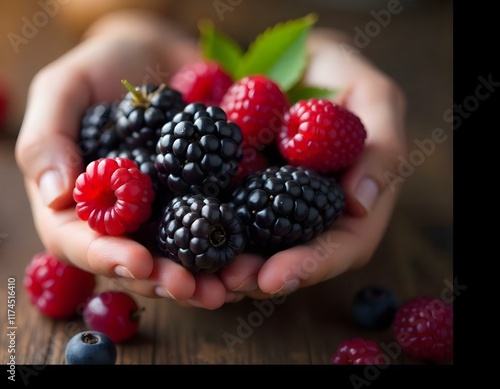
(120, 46)
(370, 193)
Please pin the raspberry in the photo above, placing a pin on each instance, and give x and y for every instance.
(98, 134)
(357, 351)
(3, 105)
(257, 105)
(55, 288)
(252, 162)
(284, 206)
(143, 111)
(321, 135)
(423, 327)
(114, 196)
(205, 82)
(201, 233)
(199, 151)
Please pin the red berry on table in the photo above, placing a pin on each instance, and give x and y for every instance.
(114, 313)
(3, 105)
(203, 81)
(321, 135)
(257, 104)
(55, 288)
(113, 196)
(423, 327)
(357, 351)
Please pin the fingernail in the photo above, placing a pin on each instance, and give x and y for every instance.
(234, 297)
(122, 271)
(194, 303)
(288, 287)
(164, 292)
(51, 186)
(366, 193)
(249, 285)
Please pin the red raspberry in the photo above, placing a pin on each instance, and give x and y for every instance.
(357, 351)
(55, 288)
(257, 105)
(423, 327)
(321, 135)
(3, 105)
(114, 196)
(203, 81)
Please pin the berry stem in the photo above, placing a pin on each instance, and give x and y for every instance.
(138, 96)
(134, 315)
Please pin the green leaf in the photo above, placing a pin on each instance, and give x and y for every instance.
(219, 47)
(306, 92)
(279, 52)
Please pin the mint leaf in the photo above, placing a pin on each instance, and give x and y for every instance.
(219, 47)
(306, 92)
(279, 52)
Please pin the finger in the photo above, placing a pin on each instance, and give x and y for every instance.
(241, 275)
(210, 293)
(167, 280)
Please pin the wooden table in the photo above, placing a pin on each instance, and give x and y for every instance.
(414, 258)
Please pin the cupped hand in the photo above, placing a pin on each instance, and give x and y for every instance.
(369, 185)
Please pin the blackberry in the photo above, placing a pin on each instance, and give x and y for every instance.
(143, 111)
(98, 134)
(284, 206)
(201, 233)
(373, 307)
(199, 151)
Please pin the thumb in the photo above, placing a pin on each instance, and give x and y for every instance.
(46, 148)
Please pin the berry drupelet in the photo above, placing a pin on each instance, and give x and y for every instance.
(199, 151)
(201, 233)
(284, 206)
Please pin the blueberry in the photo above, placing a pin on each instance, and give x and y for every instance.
(373, 307)
(90, 348)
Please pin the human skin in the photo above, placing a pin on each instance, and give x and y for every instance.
(124, 45)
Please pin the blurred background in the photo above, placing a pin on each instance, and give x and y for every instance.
(414, 46)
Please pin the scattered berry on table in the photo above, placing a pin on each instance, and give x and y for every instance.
(258, 105)
(373, 307)
(423, 327)
(284, 206)
(321, 135)
(201, 233)
(90, 348)
(55, 288)
(203, 81)
(199, 151)
(358, 351)
(143, 111)
(113, 196)
(114, 313)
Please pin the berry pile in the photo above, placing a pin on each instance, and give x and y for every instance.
(226, 160)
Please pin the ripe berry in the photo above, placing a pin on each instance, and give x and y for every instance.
(204, 81)
(199, 151)
(143, 111)
(321, 135)
(357, 351)
(90, 348)
(55, 288)
(252, 162)
(3, 105)
(114, 313)
(201, 233)
(373, 307)
(114, 196)
(284, 206)
(257, 104)
(423, 327)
